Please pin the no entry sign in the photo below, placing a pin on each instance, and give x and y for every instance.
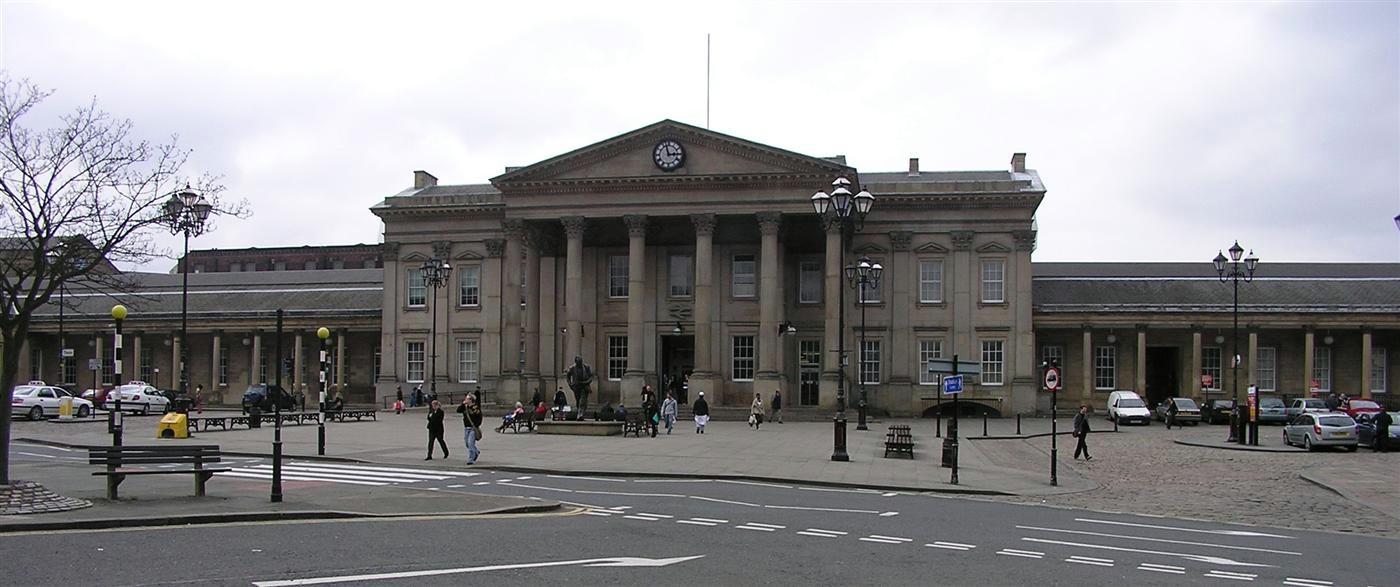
(1052, 378)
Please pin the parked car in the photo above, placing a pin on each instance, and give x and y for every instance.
(39, 401)
(1125, 407)
(1216, 411)
(259, 395)
(138, 397)
(1356, 407)
(1366, 431)
(1272, 409)
(1312, 429)
(1187, 412)
(1304, 405)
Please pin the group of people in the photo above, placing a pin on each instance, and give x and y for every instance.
(470, 409)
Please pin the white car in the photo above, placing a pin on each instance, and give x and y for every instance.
(139, 398)
(1126, 407)
(39, 401)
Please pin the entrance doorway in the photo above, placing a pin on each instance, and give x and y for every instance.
(1162, 368)
(809, 371)
(677, 363)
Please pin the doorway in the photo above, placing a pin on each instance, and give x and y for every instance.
(677, 363)
(1161, 372)
(809, 370)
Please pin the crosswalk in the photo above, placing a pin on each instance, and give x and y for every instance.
(346, 474)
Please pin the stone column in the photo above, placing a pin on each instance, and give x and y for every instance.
(1366, 363)
(512, 388)
(966, 298)
(573, 288)
(635, 376)
(705, 377)
(135, 370)
(254, 365)
(1308, 346)
(1140, 366)
(534, 296)
(492, 309)
(770, 270)
(101, 360)
(1249, 373)
(175, 365)
(340, 382)
(395, 280)
(898, 275)
(296, 363)
(1087, 390)
(1195, 373)
(215, 390)
(831, 339)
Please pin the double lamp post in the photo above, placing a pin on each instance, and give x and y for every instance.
(1233, 270)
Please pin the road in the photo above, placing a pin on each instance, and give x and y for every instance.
(741, 532)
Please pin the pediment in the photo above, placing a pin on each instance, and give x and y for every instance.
(994, 247)
(932, 248)
(871, 249)
(469, 256)
(706, 154)
(414, 256)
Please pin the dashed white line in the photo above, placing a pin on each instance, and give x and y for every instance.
(1169, 569)
(696, 523)
(703, 498)
(1021, 553)
(888, 514)
(951, 545)
(458, 486)
(892, 538)
(654, 515)
(712, 520)
(761, 529)
(1163, 540)
(1306, 582)
(643, 518)
(879, 540)
(482, 483)
(773, 485)
(1084, 560)
(773, 526)
(1214, 574)
(525, 478)
(833, 532)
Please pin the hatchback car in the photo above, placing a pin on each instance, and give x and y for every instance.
(259, 395)
(1303, 405)
(1313, 430)
(139, 398)
(1216, 411)
(1187, 412)
(37, 401)
(1366, 431)
(1271, 409)
(1356, 408)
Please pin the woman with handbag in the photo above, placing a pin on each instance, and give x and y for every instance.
(471, 422)
(756, 411)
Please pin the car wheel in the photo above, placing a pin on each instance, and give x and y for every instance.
(145, 409)
(83, 411)
(1307, 443)
(1286, 441)
(36, 413)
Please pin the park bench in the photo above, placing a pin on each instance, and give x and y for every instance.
(117, 458)
(899, 440)
(526, 421)
(632, 422)
(341, 415)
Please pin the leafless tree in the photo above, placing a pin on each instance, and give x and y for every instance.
(75, 200)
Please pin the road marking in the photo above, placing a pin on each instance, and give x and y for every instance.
(525, 478)
(834, 490)
(482, 483)
(268, 477)
(1197, 530)
(1125, 537)
(711, 520)
(625, 494)
(1214, 560)
(42, 446)
(595, 513)
(1228, 575)
(1085, 560)
(512, 483)
(1306, 582)
(587, 478)
(716, 500)
(889, 494)
(433, 472)
(455, 486)
(267, 469)
(817, 509)
(773, 485)
(646, 518)
(832, 532)
(654, 515)
(670, 480)
(1174, 570)
(696, 523)
(592, 562)
(817, 534)
(888, 514)
(405, 477)
(951, 545)
(1021, 553)
(747, 527)
(879, 540)
(892, 538)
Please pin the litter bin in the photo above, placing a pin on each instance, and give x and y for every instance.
(173, 425)
(65, 408)
(182, 404)
(949, 446)
(254, 416)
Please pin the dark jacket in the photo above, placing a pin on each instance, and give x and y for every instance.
(777, 401)
(560, 400)
(435, 421)
(1081, 424)
(1383, 423)
(470, 417)
(701, 407)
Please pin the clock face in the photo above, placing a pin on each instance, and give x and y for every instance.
(668, 155)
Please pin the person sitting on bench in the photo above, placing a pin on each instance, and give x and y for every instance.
(510, 418)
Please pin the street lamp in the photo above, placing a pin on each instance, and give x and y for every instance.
(847, 213)
(186, 212)
(864, 276)
(118, 314)
(1233, 270)
(435, 274)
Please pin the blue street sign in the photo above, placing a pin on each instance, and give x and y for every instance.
(952, 385)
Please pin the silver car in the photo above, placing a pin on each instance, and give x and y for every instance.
(1305, 405)
(1314, 430)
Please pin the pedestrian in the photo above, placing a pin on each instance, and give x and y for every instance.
(1172, 411)
(669, 409)
(199, 398)
(477, 392)
(778, 406)
(338, 404)
(1333, 402)
(756, 411)
(1081, 432)
(435, 429)
(1382, 422)
(651, 410)
(471, 424)
(701, 409)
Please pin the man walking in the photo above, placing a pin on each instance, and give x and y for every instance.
(701, 409)
(778, 406)
(1081, 430)
(1171, 414)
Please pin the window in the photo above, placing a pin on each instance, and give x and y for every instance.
(338, 264)
(417, 290)
(1322, 368)
(223, 365)
(745, 271)
(994, 281)
(617, 276)
(468, 361)
(469, 286)
(70, 370)
(279, 266)
(1212, 364)
(809, 278)
(929, 349)
(235, 267)
(871, 295)
(617, 357)
(36, 362)
(870, 361)
(414, 353)
(682, 275)
(309, 266)
(993, 362)
(378, 364)
(1052, 353)
(930, 281)
(1265, 372)
(144, 364)
(250, 266)
(106, 367)
(262, 368)
(1378, 370)
(1105, 367)
(742, 351)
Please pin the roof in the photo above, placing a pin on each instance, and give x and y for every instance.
(1196, 287)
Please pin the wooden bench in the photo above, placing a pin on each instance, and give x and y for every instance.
(526, 421)
(899, 440)
(117, 458)
(633, 423)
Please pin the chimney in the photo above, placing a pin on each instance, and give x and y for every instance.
(423, 179)
(913, 167)
(1018, 162)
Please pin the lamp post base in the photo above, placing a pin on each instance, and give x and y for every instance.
(839, 452)
(860, 416)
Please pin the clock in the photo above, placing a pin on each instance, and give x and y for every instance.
(668, 155)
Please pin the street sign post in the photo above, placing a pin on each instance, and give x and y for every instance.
(952, 385)
(1052, 379)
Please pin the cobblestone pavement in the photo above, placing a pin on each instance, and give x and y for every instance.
(28, 497)
(1141, 470)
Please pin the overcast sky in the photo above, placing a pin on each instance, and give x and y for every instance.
(1163, 132)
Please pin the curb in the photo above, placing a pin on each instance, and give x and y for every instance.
(1030, 436)
(1240, 447)
(227, 518)
(1306, 475)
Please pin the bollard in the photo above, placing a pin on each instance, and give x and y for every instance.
(1018, 424)
(984, 423)
(1115, 424)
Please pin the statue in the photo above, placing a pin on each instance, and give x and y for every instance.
(579, 376)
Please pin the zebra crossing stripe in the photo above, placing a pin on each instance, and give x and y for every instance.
(433, 473)
(268, 477)
(329, 475)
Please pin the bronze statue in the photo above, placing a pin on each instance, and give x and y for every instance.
(579, 376)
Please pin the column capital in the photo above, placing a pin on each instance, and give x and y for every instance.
(495, 247)
(636, 224)
(1025, 240)
(704, 223)
(390, 249)
(900, 240)
(962, 240)
(442, 249)
(769, 222)
(514, 228)
(574, 225)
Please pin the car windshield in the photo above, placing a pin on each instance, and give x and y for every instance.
(1130, 403)
(1185, 403)
(1314, 403)
(1336, 421)
(25, 390)
(1226, 404)
(1271, 402)
(1365, 405)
